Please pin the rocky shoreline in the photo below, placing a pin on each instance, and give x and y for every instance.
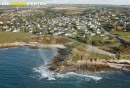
(62, 65)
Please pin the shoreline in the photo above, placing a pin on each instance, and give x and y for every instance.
(61, 64)
(31, 45)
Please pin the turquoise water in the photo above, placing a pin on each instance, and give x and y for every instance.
(24, 68)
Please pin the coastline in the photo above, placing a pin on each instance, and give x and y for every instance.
(61, 63)
(31, 45)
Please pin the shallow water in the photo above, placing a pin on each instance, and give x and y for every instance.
(24, 68)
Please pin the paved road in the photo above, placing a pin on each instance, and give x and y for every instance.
(97, 50)
(114, 36)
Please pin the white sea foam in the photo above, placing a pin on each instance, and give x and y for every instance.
(4, 48)
(85, 75)
(45, 73)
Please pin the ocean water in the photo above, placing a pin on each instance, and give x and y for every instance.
(25, 68)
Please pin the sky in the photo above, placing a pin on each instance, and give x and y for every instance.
(112, 2)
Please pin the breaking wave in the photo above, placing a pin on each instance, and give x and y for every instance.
(49, 75)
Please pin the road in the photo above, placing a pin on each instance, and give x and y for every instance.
(95, 49)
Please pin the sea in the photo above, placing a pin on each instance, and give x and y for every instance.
(22, 67)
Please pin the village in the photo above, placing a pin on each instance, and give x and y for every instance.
(90, 24)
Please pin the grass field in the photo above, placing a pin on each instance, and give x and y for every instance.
(123, 35)
(101, 56)
(8, 37)
(73, 12)
(95, 38)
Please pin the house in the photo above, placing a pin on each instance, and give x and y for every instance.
(68, 34)
(30, 30)
(55, 34)
(93, 34)
(1, 24)
(5, 28)
(98, 31)
(16, 30)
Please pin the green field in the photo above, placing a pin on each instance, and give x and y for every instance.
(123, 35)
(95, 38)
(8, 37)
